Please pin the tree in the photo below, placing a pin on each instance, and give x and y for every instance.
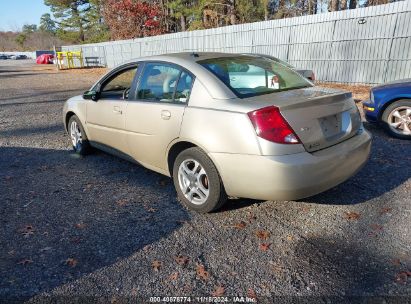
(29, 28)
(353, 4)
(79, 20)
(70, 16)
(376, 2)
(251, 11)
(179, 10)
(96, 30)
(20, 39)
(132, 19)
(47, 24)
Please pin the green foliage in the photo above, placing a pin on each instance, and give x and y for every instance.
(47, 24)
(77, 20)
(87, 21)
(20, 39)
(250, 11)
(29, 28)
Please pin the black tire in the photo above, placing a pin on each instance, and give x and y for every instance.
(83, 147)
(217, 195)
(386, 116)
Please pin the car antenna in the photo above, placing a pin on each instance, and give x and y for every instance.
(194, 54)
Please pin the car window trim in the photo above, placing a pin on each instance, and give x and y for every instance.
(127, 66)
(177, 66)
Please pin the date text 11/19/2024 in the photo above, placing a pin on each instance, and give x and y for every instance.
(223, 299)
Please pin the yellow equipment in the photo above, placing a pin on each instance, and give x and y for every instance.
(68, 60)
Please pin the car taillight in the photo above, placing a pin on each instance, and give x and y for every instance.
(271, 125)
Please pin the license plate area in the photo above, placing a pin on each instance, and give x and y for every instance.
(331, 125)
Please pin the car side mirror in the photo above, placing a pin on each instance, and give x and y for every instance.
(93, 95)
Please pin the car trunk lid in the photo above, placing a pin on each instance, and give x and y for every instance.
(320, 117)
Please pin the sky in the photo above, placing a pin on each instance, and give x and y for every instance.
(15, 13)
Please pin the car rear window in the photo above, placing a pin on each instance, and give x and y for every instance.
(249, 76)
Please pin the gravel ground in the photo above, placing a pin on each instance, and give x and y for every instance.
(102, 228)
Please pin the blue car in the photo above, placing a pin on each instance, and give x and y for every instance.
(390, 105)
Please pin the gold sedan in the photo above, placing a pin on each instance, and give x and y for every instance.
(222, 125)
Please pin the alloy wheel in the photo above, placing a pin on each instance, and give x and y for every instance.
(193, 181)
(75, 134)
(399, 120)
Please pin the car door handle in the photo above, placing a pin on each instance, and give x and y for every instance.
(117, 110)
(165, 114)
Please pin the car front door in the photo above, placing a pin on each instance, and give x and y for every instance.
(155, 113)
(105, 117)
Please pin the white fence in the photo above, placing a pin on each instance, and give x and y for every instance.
(366, 45)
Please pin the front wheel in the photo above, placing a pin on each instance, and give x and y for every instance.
(197, 181)
(397, 119)
(78, 137)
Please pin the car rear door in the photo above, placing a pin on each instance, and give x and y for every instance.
(155, 111)
(105, 117)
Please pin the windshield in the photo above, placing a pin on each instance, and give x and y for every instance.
(249, 76)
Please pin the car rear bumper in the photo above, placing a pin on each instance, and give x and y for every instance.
(294, 176)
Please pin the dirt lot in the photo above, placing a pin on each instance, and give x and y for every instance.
(102, 227)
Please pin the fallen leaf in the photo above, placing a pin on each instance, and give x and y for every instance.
(156, 265)
(385, 210)
(251, 293)
(173, 276)
(27, 231)
(181, 260)
(201, 272)
(72, 262)
(265, 246)
(240, 225)
(80, 225)
(276, 267)
(88, 187)
(396, 262)
(305, 209)
(349, 215)
(290, 238)
(376, 227)
(25, 262)
(262, 234)
(218, 292)
(402, 277)
(122, 202)
(152, 210)
(251, 217)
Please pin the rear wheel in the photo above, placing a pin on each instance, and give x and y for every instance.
(397, 119)
(78, 137)
(197, 181)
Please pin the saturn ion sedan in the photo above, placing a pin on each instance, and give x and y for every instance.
(222, 125)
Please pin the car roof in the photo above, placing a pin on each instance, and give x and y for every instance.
(188, 60)
(190, 56)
